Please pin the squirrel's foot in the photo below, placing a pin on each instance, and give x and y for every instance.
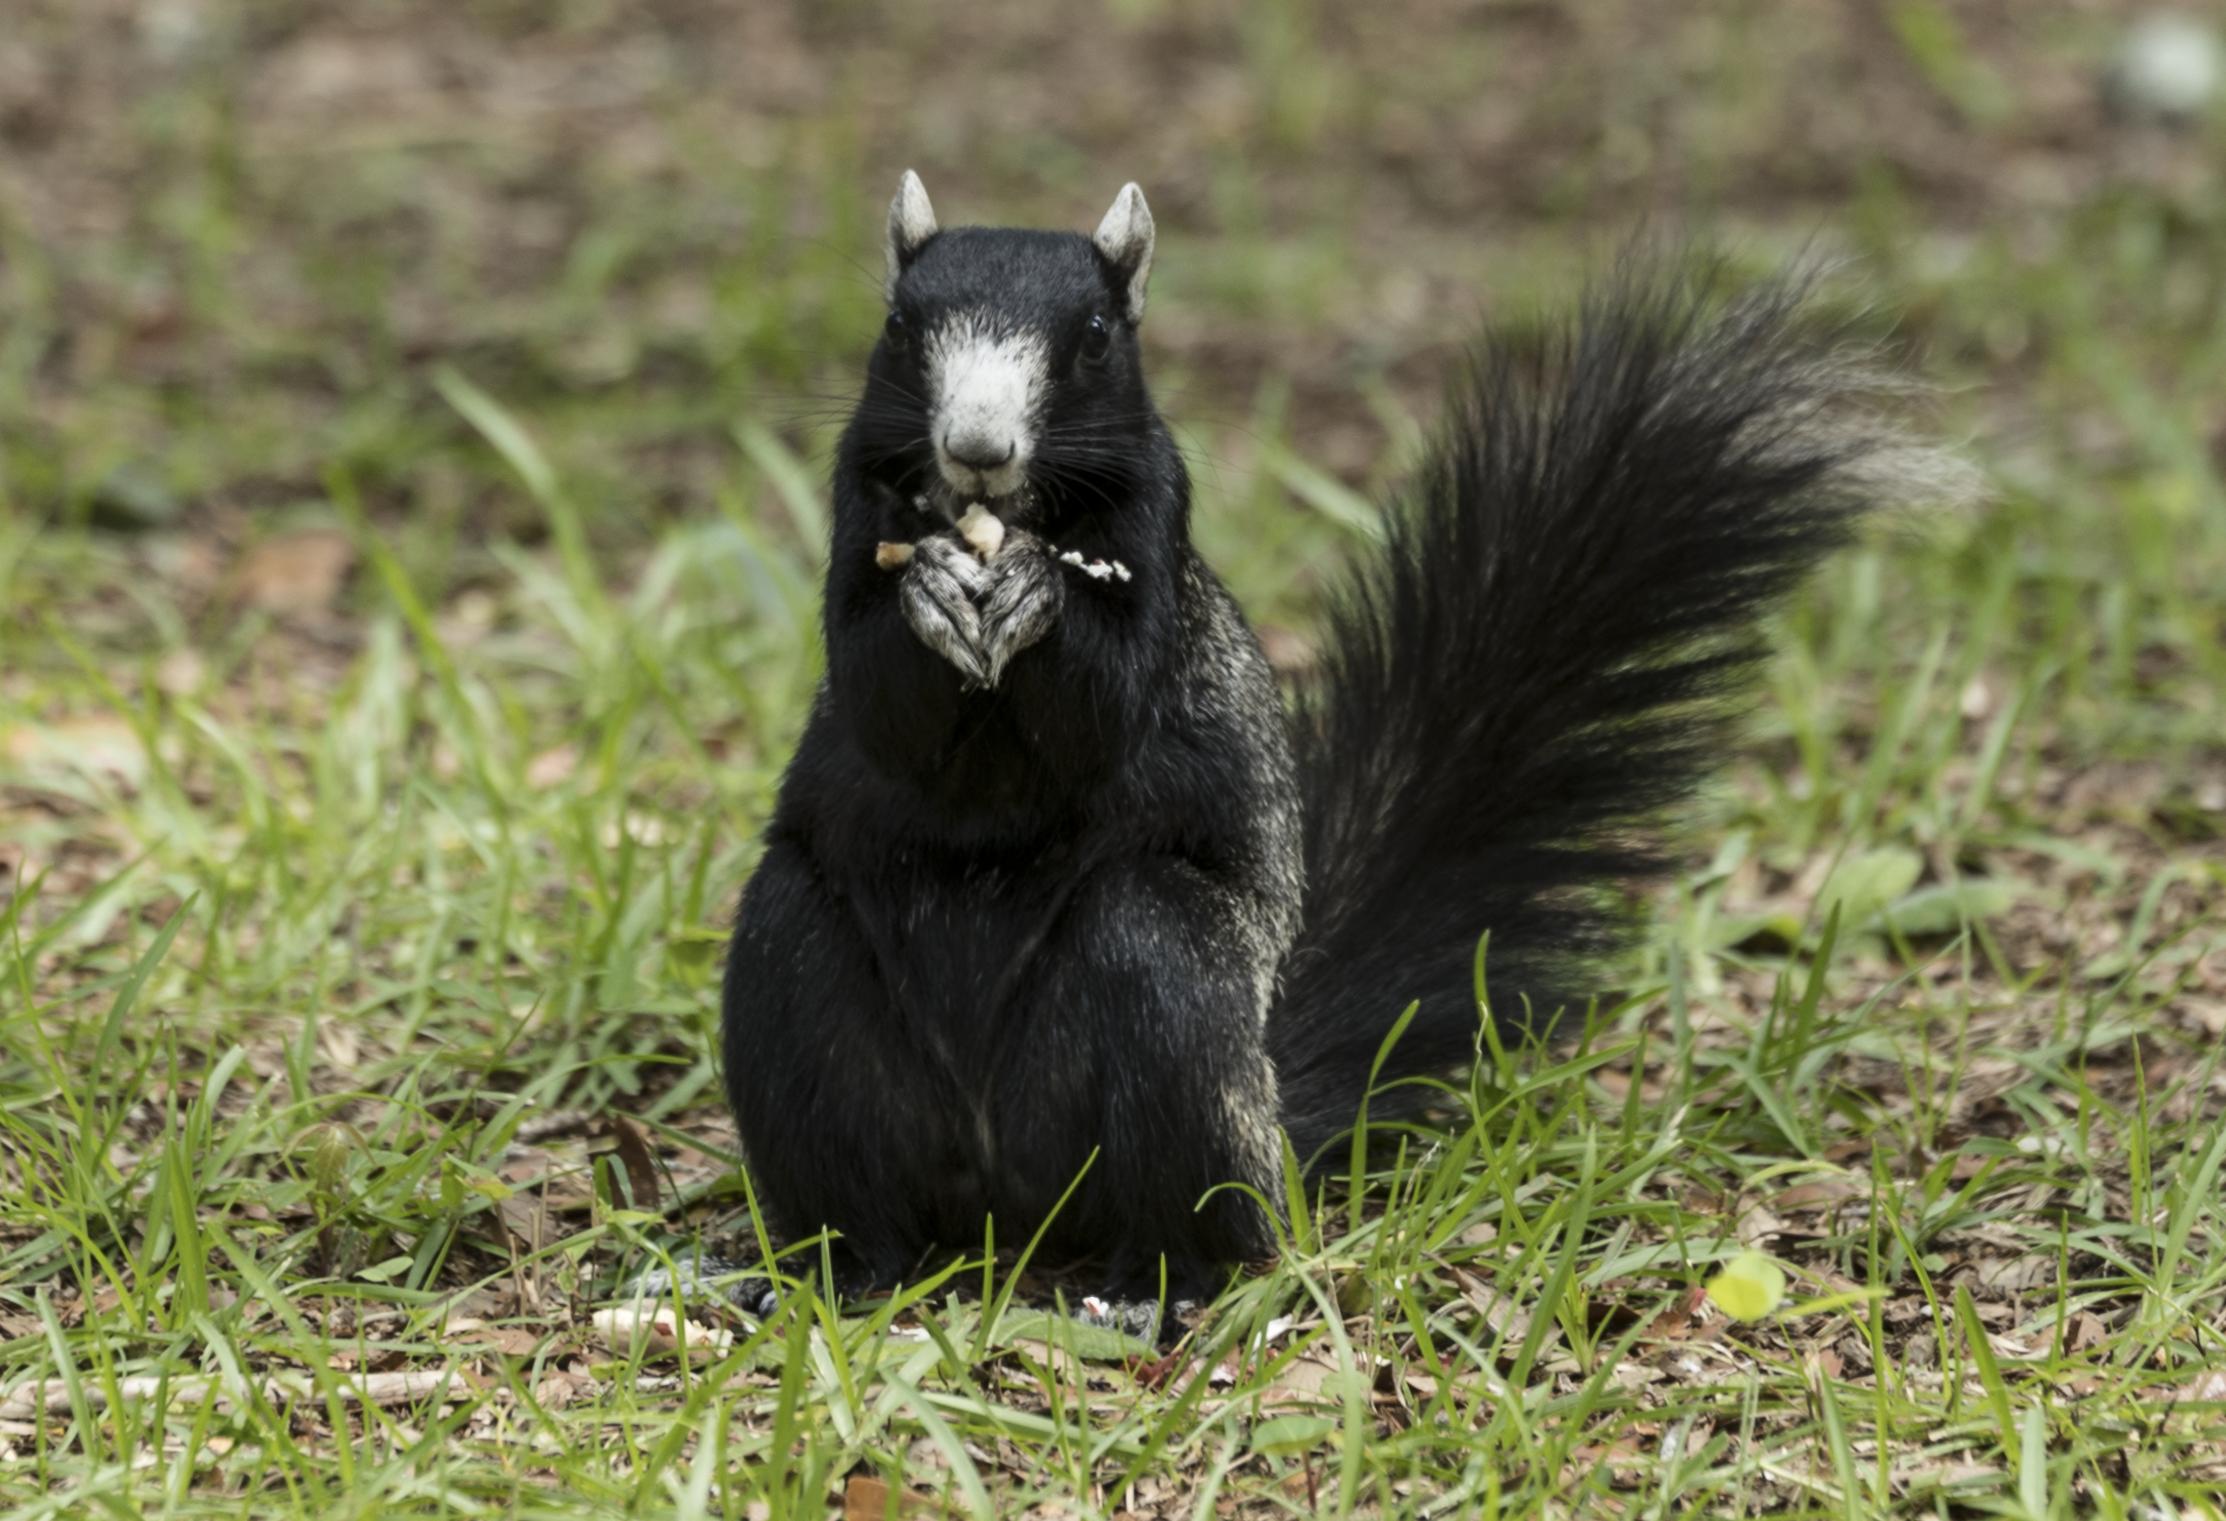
(700, 1279)
(713, 1280)
(1144, 1305)
(1145, 1319)
(942, 581)
(1023, 601)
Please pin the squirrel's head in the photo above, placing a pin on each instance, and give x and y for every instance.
(1008, 368)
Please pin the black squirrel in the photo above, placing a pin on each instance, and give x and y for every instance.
(1056, 888)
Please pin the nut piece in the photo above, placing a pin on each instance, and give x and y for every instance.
(1097, 570)
(983, 531)
(889, 556)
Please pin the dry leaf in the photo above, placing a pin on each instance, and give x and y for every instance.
(529, 1219)
(1677, 1320)
(296, 572)
(640, 1162)
(560, 1386)
(1831, 1188)
(2087, 1330)
(1308, 1381)
(552, 767)
(1507, 1319)
(1052, 1359)
(2014, 1274)
(866, 1498)
(52, 1397)
(2209, 1388)
(181, 671)
(98, 743)
(510, 1341)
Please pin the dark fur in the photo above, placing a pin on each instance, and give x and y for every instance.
(1553, 647)
(998, 929)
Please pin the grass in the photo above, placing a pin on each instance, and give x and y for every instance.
(404, 615)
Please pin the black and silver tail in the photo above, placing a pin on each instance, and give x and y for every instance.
(1555, 645)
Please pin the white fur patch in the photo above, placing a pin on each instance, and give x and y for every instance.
(987, 388)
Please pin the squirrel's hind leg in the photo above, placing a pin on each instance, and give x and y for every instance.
(841, 1127)
(854, 1280)
(1143, 1042)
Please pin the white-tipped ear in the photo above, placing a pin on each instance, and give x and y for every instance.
(1125, 238)
(911, 223)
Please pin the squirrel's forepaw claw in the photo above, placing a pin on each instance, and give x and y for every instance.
(1020, 609)
(941, 581)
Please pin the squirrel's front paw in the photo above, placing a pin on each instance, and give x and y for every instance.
(1025, 595)
(941, 583)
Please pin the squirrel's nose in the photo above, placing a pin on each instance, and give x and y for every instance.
(979, 451)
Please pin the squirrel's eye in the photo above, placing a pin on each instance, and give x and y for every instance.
(1097, 338)
(898, 335)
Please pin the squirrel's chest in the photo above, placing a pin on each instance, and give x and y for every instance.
(952, 945)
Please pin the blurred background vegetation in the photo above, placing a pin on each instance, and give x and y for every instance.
(239, 236)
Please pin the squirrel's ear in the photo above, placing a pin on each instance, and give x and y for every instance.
(911, 223)
(1125, 238)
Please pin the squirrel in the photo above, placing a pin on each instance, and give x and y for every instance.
(1058, 892)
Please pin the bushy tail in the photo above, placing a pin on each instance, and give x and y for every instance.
(1554, 645)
